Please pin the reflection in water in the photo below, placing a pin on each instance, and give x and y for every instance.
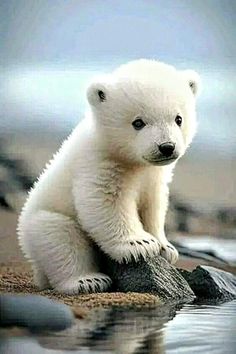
(203, 329)
(191, 329)
(116, 330)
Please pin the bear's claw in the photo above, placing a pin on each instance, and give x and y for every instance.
(92, 283)
(141, 247)
(169, 252)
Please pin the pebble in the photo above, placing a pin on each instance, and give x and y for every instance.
(35, 312)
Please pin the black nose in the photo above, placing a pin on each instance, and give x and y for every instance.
(167, 149)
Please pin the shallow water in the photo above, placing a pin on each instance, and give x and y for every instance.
(203, 328)
(198, 328)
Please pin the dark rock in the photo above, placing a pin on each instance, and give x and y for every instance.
(227, 215)
(211, 283)
(155, 276)
(34, 312)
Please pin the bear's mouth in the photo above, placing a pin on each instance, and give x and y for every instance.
(161, 162)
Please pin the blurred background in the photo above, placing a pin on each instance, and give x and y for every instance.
(49, 50)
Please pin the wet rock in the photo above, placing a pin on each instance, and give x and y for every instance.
(155, 276)
(34, 312)
(211, 283)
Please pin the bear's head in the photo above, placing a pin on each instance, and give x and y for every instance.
(145, 111)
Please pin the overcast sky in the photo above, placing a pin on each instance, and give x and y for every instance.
(74, 31)
(50, 48)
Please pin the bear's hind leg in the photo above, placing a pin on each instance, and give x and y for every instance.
(40, 278)
(61, 253)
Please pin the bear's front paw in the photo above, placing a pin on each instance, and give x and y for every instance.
(169, 252)
(135, 248)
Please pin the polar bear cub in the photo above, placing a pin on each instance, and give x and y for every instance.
(108, 183)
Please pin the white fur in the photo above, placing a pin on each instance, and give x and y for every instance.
(101, 187)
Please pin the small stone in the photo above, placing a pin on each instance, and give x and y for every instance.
(34, 312)
(211, 283)
(80, 312)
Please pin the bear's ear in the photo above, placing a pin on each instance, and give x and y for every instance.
(97, 92)
(193, 80)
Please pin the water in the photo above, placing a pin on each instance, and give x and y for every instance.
(203, 329)
(197, 328)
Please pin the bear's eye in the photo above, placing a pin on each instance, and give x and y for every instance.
(138, 124)
(178, 120)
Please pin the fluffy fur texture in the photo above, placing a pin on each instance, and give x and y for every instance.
(108, 183)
